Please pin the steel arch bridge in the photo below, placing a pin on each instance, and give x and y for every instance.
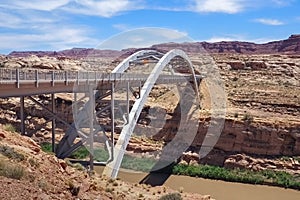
(116, 152)
(96, 86)
(113, 167)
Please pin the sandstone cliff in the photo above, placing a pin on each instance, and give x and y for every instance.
(288, 46)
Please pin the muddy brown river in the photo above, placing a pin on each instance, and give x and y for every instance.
(220, 190)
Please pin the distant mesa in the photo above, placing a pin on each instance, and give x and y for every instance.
(288, 46)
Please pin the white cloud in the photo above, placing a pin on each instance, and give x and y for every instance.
(47, 38)
(282, 2)
(220, 39)
(226, 38)
(9, 21)
(144, 37)
(241, 38)
(264, 40)
(34, 4)
(104, 8)
(122, 27)
(224, 6)
(24, 19)
(272, 22)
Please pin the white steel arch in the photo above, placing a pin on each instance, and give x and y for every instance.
(124, 65)
(113, 167)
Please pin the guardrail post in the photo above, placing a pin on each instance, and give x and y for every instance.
(18, 78)
(77, 77)
(66, 77)
(53, 78)
(36, 78)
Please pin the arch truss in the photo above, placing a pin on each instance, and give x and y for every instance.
(86, 116)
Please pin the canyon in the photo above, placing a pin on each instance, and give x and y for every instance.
(262, 125)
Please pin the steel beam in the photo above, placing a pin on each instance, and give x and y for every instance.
(22, 115)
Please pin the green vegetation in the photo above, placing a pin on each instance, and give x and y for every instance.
(269, 177)
(138, 164)
(172, 196)
(46, 147)
(80, 153)
(11, 153)
(129, 162)
(8, 169)
(10, 128)
(11, 170)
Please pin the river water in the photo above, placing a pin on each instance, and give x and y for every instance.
(219, 190)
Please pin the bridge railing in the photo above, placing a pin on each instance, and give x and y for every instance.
(42, 75)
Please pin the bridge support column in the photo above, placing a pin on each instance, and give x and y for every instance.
(22, 115)
(91, 110)
(112, 120)
(53, 122)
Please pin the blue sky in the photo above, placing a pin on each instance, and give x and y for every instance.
(63, 24)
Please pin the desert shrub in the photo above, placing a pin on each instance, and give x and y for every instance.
(235, 78)
(74, 189)
(11, 170)
(79, 166)
(248, 118)
(110, 190)
(172, 196)
(10, 128)
(33, 162)
(43, 185)
(11, 153)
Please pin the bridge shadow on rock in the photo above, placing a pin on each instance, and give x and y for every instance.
(178, 135)
(158, 177)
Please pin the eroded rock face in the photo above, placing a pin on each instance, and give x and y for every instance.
(255, 138)
(243, 161)
(262, 106)
(288, 46)
(36, 62)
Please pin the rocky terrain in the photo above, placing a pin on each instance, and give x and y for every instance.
(262, 81)
(26, 172)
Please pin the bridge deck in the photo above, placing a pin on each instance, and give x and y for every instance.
(22, 82)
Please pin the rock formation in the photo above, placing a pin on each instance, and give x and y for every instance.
(288, 46)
